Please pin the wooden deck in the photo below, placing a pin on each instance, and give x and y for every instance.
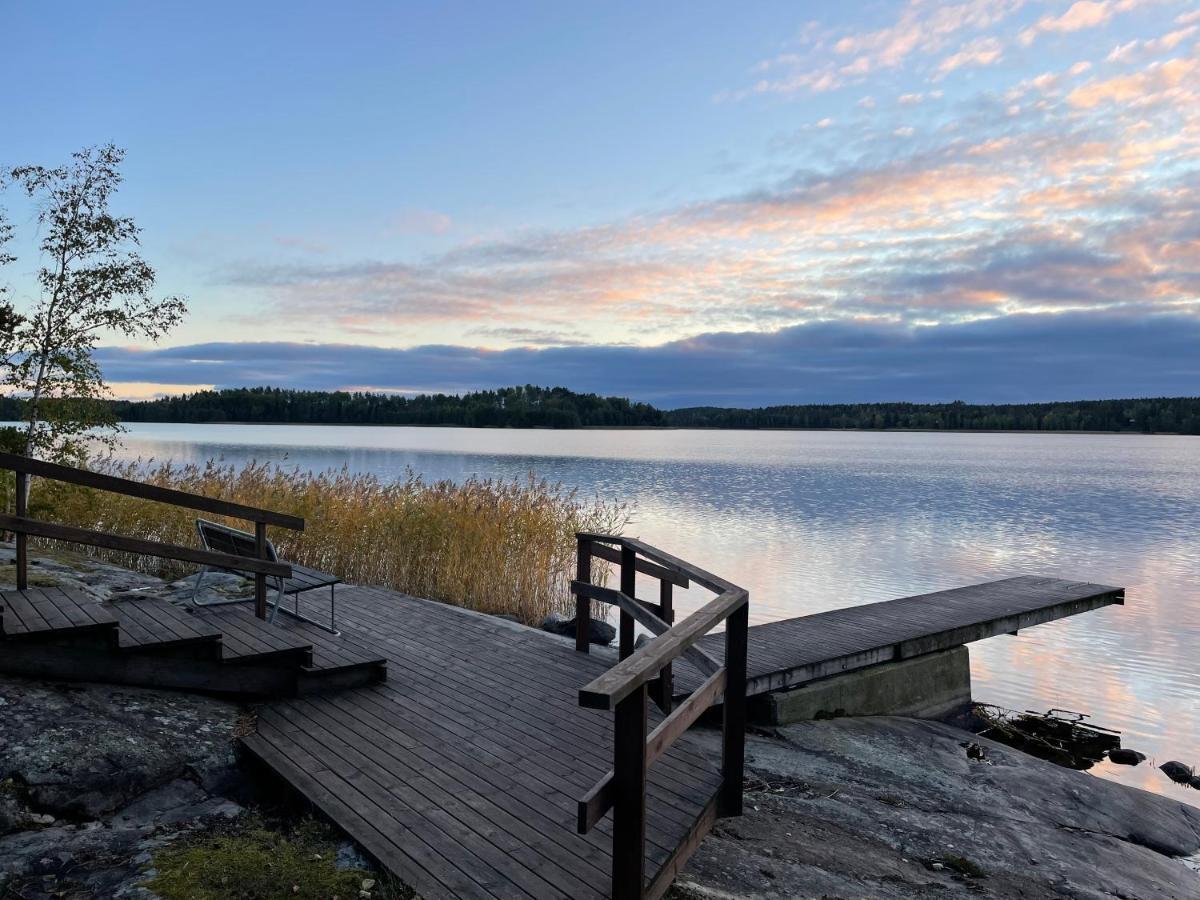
(67, 633)
(792, 652)
(462, 772)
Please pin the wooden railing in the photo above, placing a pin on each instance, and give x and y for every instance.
(24, 526)
(627, 687)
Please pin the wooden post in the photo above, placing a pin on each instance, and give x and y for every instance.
(733, 749)
(260, 580)
(583, 605)
(22, 510)
(629, 797)
(628, 588)
(666, 680)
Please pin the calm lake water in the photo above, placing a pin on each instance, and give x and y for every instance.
(811, 521)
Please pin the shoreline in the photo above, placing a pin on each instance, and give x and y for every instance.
(681, 428)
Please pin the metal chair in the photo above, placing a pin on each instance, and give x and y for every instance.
(223, 539)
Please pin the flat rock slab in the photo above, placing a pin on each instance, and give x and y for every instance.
(894, 808)
(82, 751)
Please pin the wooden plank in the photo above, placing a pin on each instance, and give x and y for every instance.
(583, 605)
(630, 674)
(629, 796)
(91, 538)
(648, 619)
(645, 566)
(733, 731)
(599, 799)
(22, 543)
(685, 715)
(115, 485)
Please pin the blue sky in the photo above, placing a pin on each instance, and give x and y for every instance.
(447, 196)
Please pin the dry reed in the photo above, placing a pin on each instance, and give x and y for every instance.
(493, 546)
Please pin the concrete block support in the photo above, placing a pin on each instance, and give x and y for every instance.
(925, 687)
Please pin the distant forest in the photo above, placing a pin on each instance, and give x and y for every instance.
(536, 407)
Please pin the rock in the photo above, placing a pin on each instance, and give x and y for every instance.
(1125, 757)
(349, 856)
(883, 798)
(599, 632)
(1177, 771)
(1194, 781)
(642, 641)
(86, 750)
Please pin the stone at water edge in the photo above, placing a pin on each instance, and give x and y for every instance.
(599, 632)
(1194, 781)
(1177, 771)
(1125, 757)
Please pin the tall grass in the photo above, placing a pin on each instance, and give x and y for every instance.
(493, 546)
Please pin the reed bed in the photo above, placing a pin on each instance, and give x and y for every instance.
(501, 547)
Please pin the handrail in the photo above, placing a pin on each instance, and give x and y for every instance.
(24, 526)
(609, 689)
(116, 485)
(625, 689)
(69, 533)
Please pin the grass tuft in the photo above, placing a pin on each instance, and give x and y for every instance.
(489, 545)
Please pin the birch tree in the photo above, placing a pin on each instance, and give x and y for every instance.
(90, 283)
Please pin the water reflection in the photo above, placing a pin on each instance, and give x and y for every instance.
(810, 521)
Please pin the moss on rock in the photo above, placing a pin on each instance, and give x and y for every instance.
(254, 860)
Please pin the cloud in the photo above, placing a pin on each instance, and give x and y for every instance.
(1022, 358)
(1081, 15)
(1141, 88)
(980, 52)
(827, 62)
(1137, 50)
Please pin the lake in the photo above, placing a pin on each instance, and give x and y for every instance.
(811, 521)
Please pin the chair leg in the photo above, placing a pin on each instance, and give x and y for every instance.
(196, 586)
(278, 601)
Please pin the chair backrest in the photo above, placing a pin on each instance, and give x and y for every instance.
(223, 539)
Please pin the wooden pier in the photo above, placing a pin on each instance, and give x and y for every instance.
(793, 652)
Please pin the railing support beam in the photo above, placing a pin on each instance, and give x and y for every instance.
(260, 580)
(628, 588)
(733, 750)
(629, 797)
(583, 605)
(666, 680)
(22, 508)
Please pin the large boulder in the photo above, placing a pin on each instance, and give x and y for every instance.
(599, 631)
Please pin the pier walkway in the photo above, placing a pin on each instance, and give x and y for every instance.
(792, 652)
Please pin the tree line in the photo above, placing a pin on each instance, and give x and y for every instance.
(514, 407)
(529, 406)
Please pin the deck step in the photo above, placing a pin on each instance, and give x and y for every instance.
(51, 614)
(148, 624)
(151, 642)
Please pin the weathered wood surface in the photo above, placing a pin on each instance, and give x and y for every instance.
(39, 613)
(115, 485)
(795, 651)
(72, 535)
(202, 650)
(462, 772)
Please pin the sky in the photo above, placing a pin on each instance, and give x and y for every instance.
(685, 203)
